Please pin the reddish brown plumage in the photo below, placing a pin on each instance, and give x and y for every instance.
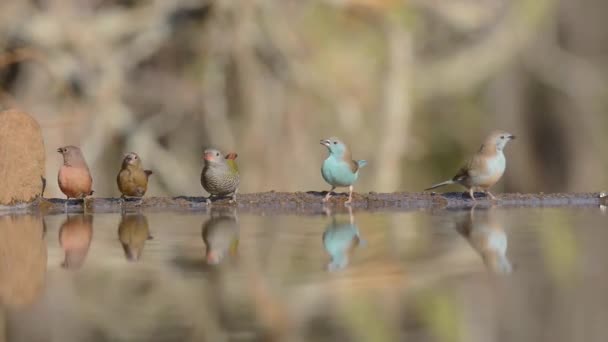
(74, 177)
(75, 237)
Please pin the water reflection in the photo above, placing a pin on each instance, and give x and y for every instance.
(133, 232)
(486, 235)
(221, 235)
(75, 237)
(23, 260)
(340, 239)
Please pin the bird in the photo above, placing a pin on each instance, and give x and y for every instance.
(488, 239)
(340, 240)
(485, 168)
(75, 237)
(221, 236)
(220, 175)
(74, 177)
(339, 169)
(132, 179)
(133, 232)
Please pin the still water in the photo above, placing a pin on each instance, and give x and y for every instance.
(433, 275)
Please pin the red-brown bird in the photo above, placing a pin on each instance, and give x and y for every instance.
(74, 177)
(75, 237)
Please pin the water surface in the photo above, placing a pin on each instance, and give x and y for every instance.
(429, 275)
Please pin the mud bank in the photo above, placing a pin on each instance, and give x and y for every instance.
(310, 202)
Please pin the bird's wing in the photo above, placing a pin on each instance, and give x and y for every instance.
(472, 168)
(477, 165)
(354, 166)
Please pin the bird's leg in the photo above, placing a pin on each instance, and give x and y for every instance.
(350, 195)
(67, 199)
(233, 199)
(490, 194)
(328, 196)
(208, 200)
(472, 193)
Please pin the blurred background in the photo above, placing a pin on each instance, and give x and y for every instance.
(413, 86)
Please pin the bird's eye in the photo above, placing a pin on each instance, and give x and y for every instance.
(502, 137)
(335, 143)
(217, 154)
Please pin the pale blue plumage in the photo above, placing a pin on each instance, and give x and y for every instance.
(339, 169)
(337, 172)
(339, 240)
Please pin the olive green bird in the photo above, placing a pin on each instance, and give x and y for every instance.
(132, 179)
(220, 176)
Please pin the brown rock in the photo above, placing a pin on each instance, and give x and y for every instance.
(21, 158)
(24, 259)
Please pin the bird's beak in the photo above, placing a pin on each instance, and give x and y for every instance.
(60, 150)
(512, 137)
(208, 156)
(325, 142)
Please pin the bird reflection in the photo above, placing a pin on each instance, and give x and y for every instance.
(221, 235)
(133, 232)
(486, 235)
(340, 239)
(75, 237)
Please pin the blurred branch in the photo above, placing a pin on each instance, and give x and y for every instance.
(397, 106)
(461, 72)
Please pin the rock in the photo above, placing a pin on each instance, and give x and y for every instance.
(24, 259)
(21, 158)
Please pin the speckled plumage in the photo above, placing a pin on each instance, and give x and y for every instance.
(220, 176)
(221, 236)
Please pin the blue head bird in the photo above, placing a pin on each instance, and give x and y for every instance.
(339, 169)
(340, 241)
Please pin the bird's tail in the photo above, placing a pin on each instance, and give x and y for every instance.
(361, 163)
(448, 182)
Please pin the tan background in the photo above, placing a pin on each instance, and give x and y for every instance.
(412, 86)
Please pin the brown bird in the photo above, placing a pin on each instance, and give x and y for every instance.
(487, 237)
(74, 177)
(133, 232)
(132, 179)
(75, 237)
(485, 168)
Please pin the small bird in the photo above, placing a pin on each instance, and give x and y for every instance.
(339, 169)
(488, 239)
(74, 177)
(485, 168)
(133, 232)
(221, 235)
(220, 176)
(75, 237)
(132, 179)
(340, 241)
